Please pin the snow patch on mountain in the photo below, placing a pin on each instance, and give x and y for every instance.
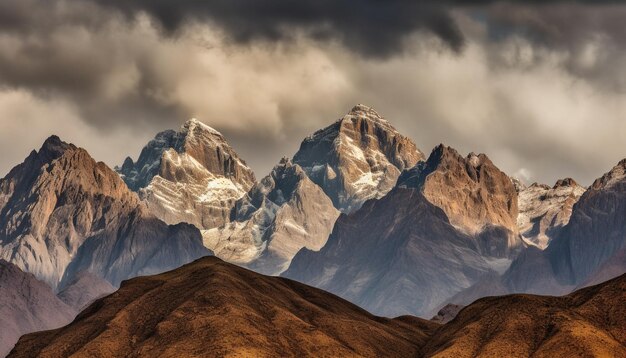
(191, 176)
(283, 213)
(357, 158)
(543, 210)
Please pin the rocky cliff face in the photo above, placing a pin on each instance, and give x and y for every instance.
(283, 213)
(544, 210)
(27, 305)
(190, 176)
(357, 158)
(596, 231)
(477, 197)
(590, 247)
(61, 213)
(396, 255)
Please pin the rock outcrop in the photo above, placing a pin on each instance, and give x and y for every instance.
(61, 213)
(447, 313)
(190, 176)
(477, 197)
(357, 158)
(544, 210)
(282, 214)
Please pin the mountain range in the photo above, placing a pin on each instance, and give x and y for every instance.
(358, 211)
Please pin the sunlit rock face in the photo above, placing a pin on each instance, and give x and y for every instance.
(62, 213)
(283, 213)
(478, 198)
(191, 175)
(359, 157)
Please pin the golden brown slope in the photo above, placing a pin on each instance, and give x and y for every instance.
(211, 308)
(587, 323)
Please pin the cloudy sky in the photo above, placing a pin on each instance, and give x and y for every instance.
(539, 86)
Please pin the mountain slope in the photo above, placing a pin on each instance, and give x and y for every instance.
(478, 198)
(84, 288)
(357, 158)
(543, 210)
(396, 255)
(588, 323)
(62, 213)
(591, 244)
(283, 213)
(190, 176)
(211, 308)
(27, 305)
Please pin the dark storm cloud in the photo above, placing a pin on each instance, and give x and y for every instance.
(372, 27)
(593, 38)
(524, 79)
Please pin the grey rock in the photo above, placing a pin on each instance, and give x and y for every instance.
(394, 256)
(27, 305)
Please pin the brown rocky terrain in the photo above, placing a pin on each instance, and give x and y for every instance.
(212, 308)
(477, 197)
(357, 158)
(588, 323)
(62, 213)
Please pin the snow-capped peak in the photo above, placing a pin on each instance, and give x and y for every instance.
(194, 124)
(359, 157)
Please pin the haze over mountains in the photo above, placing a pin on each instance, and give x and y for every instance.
(357, 211)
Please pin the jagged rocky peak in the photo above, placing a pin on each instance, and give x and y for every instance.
(281, 214)
(477, 197)
(567, 182)
(359, 157)
(614, 177)
(544, 210)
(192, 175)
(60, 211)
(594, 235)
(210, 149)
(206, 147)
